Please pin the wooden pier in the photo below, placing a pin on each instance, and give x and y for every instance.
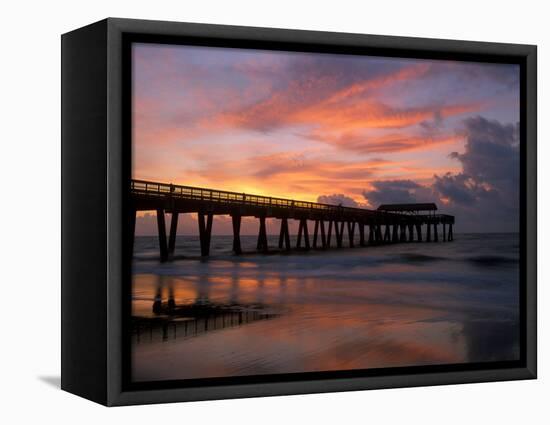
(396, 223)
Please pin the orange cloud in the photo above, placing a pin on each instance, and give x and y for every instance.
(353, 107)
(366, 114)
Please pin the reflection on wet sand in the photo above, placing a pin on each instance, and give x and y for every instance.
(173, 316)
(268, 315)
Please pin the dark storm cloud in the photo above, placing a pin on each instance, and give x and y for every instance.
(485, 195)
(337, 199)
(456, 187)
(487, 189)
(397, 191)
(490, 164)
(491, 151)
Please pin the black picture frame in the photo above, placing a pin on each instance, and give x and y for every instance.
(96, 87)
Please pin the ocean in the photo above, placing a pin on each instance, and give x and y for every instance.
(406, 304)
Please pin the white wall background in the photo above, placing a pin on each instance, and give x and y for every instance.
(30, 210)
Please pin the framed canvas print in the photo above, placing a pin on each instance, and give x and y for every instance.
(252, 212)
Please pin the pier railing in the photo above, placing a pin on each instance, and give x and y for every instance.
(222, 196)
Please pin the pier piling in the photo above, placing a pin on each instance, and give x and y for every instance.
(284, 236)
(315, 233)
(371, 234)
(173, 232)
(387, 233)
(418, 232)
(236, 221)
(361, 234)
(351, 232)
(411, 232)
(395, 235)
(262, 236)
(161, 225)
(403, 234)
(339, 229)
(303, 232)
(205, 232)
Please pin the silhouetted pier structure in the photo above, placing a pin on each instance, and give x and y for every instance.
(393, 223)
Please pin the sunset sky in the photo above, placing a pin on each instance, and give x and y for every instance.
(330, 128)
